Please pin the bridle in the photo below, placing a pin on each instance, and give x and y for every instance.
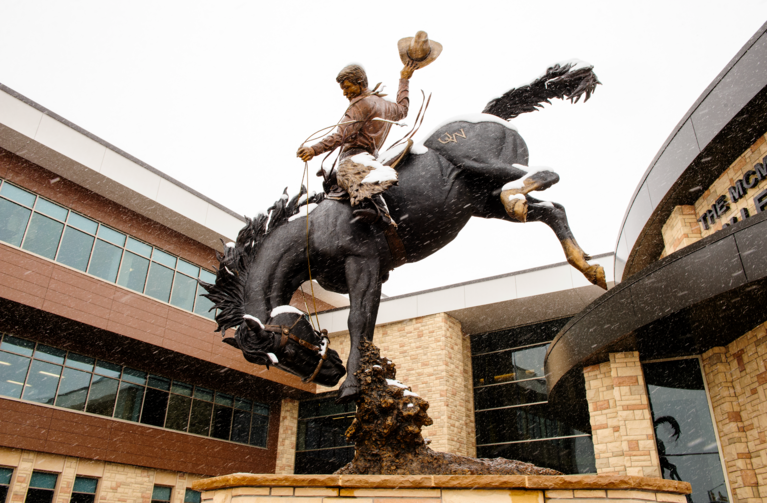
(284, 333)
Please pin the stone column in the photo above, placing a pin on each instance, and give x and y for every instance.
(621, 422)
(21, 477)
(66, 480)
(286, 439)
(433, 357)
(717, 367)
(681, 229)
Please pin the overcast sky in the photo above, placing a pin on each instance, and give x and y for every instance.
(219, 95)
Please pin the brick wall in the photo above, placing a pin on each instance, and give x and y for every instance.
(736, 376)
(682, 227)
(286, 442)
(621, 423)
(433, 357)
(60, 432)
(117, 483)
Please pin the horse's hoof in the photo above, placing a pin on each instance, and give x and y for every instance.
(348, 394)
(515, 205)
(596, 275)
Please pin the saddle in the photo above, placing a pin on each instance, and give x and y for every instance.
(333, 191)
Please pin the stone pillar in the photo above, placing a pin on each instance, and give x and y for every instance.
(717, 367)
(621, 422)
(66, 481)
(433, 357)
(681, 229)
(126, 483)
(286, 439)
(21, 477)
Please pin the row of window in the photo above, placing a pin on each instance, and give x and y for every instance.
(44, 374)
(42, 486)
(513, 417)
(57, 233)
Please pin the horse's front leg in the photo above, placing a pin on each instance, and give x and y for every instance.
(364, 281)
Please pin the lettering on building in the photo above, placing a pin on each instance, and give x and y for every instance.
(734, 194)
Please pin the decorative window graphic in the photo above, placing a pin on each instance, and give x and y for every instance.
(52, 231)
(51, 376)
(513, 417)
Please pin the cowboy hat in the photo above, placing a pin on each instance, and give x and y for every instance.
(419, 49)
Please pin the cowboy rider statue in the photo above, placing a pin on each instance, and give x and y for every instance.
(361, 133)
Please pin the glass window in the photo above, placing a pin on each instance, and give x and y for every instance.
(243, 404)
(181, 388)
(178, 412)
(13, 373)
(240, 426)
(43, 236)
(222, 422)
(129, 401)
(188, 269)
(508, 366)
(75, 249)
(511, 394)
(73, 390)
(112, 236)
(13, 222)
(224, 399)
(103, 394)
(155, 406)
(184, 290)
(50, 354)
(108, 369)
(684, 431)
(159, 382)
(16, 194)
(140, 248)
(82, 223)
(42, 382)
(134, 376)
(161, 494)
(203, 394)
(84, 490)
(133, 272)
(259, 428)
(320, 444)
(41, 487)
(105, 261)
(51, 209)
(568, 455)
(16, 345)
(324, 460)
(192, 496)
(80, 362)
(5, 482)
(159, 282)
(262, 409)
(164, 258)
(199, 422)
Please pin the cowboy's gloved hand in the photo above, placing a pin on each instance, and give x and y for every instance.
(408, 70)
(305, 153)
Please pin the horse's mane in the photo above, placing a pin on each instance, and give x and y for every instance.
(228, 292)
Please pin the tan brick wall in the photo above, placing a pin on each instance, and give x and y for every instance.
(118, 483)
(286, 440)
(433, 357)
(621, 423)
(736, 376)
(682, 227)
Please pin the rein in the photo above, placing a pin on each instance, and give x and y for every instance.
(286, 335)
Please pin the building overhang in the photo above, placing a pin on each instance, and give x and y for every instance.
(38, 135)
(704, 295)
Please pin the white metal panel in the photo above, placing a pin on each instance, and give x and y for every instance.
(19, 116)
(68, 142)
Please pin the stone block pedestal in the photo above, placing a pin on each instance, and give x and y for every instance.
(248, 488)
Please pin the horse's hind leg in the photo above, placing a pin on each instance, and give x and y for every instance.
(553, 215)
(363, 279)
(513, 193)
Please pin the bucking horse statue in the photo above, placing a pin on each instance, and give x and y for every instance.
(475, 166)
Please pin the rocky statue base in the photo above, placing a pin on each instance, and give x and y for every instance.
(387, 431)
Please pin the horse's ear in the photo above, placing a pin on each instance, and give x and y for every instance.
(253, 323)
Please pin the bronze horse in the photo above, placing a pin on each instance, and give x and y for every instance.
(458, 175)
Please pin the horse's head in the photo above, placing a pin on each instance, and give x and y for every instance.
(289, 342)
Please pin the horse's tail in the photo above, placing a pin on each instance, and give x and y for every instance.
(569, 80)
(229, 291)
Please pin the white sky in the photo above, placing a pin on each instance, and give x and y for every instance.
(219, 95)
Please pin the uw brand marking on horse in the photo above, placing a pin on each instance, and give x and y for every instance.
(452, 137)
